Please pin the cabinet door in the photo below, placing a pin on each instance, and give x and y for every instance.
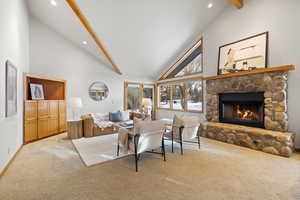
(53, 109)
(53, 126)
(31, 130)
(62, 116)
(30, 121)
(43, 109)
(53, 117)
(43, 128)
(30, 109)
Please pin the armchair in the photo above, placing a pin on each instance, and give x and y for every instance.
(183, 130)
(145, 137)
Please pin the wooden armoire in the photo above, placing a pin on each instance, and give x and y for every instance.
(44, 118)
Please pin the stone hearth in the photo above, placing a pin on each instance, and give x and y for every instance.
(274, 138)
(274, 142)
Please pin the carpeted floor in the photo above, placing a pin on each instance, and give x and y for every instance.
(52, 170)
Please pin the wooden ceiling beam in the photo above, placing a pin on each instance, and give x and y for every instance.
(237, 3)
(89, 28)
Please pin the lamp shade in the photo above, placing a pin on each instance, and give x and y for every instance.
(146, 102)
(75, 102)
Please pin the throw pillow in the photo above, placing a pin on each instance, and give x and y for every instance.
(115, 117)
(99, 117)
(125, 115)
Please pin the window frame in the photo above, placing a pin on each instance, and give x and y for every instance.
(141, 94)
(171, 100)
(198, 43)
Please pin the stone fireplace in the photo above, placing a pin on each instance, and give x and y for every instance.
(250, 109)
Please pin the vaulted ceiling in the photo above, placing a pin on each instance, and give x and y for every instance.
(143, 37)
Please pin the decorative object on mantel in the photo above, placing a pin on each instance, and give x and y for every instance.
(75, 103)
(98, 91)
(11, 107)
(272, 69)
(244, 55)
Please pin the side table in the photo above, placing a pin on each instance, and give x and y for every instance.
(74, 128)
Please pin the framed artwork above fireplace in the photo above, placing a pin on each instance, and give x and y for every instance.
(244, 55)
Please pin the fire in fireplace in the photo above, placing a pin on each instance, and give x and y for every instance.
(246, 113)
(242, 108)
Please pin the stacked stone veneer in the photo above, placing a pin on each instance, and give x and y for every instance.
(274, 86)
(274, 142)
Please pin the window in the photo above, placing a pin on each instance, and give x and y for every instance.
(178, 102)
(165, 96)
(148, 91)
(134, 93)
(186, 95)
(195, 66)
(133, 97)
(194, 96)
(190, 63)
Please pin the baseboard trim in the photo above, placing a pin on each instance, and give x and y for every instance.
(11, 161)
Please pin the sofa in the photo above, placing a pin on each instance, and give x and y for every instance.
(91, 129)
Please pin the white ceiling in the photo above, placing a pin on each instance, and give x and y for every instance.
(143, 37)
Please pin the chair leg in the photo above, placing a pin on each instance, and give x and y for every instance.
(118, 150)
(163, 149)
(180, 134)
(172, 136)
(136, 154)
(199, 140)
(136, 162)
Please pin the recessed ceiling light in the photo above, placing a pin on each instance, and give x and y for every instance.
(84, 42)
(53, 3)
(210, 5)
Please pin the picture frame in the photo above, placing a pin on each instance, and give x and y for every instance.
(248, 54)
(37, 91)
(11, 89)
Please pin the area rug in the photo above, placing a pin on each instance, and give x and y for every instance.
(100, 149)
(96, 150)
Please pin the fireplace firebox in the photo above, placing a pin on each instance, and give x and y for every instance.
(242, 109)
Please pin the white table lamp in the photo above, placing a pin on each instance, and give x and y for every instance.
(75, 103)
(147, 103)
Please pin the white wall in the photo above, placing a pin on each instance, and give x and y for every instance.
(53, 55)
(14, 41)
(281, 19)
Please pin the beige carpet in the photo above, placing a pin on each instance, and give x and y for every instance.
(96, 150)
(52, 170)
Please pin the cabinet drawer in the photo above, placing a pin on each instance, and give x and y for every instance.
(43, 109)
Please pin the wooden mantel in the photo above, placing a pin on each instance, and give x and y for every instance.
(272, 69)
